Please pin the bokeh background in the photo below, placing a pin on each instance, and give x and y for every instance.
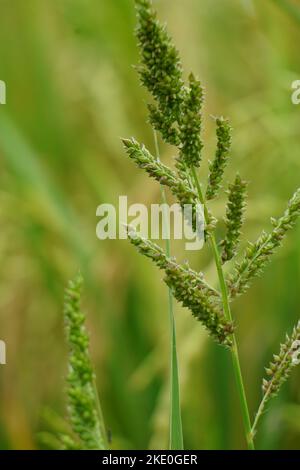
(71, 93)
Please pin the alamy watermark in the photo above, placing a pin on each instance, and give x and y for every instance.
(160, 221)
(2, 92)
(2, 352)
(296, 92)
(2, 343)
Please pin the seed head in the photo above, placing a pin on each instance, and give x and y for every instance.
(160, 72)
(234, 217)
(176, 111)
(191, 124)
(218, 165)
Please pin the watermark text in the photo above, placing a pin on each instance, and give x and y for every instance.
(2, 92)
(2, 352)
(160, 222)
(296, 92)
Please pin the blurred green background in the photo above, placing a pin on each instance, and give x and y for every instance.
(71, 93)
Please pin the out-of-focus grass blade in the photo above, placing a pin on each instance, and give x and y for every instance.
(23, 162)
(289, 8)
(176, 435)
(291, 414)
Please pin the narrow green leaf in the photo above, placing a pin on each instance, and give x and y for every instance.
(176, 434)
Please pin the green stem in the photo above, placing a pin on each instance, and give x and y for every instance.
(259, 413)
(227, 311)
(176, 435)
(103, 441)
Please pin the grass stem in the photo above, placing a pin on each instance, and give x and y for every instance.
(227, 311)
(103, 440)
(176, 435)
(259, 414)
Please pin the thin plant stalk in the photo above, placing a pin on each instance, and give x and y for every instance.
(261, 407)
(259, 413)
(227, 310)
(100, 417)
(175, 432)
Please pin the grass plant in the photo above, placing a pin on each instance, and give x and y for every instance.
(176, 115)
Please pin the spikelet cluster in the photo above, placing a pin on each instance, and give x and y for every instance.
(176, 111)
(68, 443)
(191, 124)
(259, 253)
(234, 218)
(160, 172)
(179, 186)
(82, 400)
(189, 288)
(218, 165)
(160, 71)
(282, 365)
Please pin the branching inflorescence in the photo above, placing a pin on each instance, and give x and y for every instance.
(176, 113)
